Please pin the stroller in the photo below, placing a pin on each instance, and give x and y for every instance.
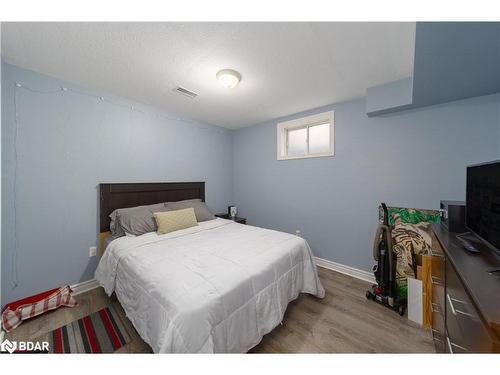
(384, 292)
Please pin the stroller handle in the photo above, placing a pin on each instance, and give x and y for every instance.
(386, 214)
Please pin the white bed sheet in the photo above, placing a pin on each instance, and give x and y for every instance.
(217, 287)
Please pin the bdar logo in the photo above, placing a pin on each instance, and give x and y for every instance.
(8, 346)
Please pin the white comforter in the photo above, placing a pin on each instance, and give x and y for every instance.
(217, 287)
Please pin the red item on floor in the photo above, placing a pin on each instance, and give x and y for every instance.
(15, 312)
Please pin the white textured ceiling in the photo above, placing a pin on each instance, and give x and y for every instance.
(286, 67)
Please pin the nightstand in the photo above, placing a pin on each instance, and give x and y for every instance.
(240, 220)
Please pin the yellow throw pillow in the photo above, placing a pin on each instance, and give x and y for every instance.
(171, 221)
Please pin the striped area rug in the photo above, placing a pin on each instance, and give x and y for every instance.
(100, 332)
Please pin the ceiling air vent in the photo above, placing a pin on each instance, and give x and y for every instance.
(185, 92)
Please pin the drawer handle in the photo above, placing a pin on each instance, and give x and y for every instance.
(436, 280)
(450, 302)
(458, 300)
(455, 311)
(437, 255)
(435, 333)
(464, 313)
(452, 345)
(449, 344)
(436, 339)
(435, 308)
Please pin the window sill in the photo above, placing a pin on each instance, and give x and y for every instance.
(327, 154)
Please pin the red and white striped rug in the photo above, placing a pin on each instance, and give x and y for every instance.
(100, 332)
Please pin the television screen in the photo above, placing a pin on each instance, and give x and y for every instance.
(483, 202)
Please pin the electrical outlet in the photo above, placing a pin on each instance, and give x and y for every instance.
(92, 251)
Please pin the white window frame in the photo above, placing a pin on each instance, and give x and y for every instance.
(305, 122)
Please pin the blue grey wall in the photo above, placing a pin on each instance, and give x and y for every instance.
(412, 158)
(389, 97)
(455, 60)
(67, 144)
(1, 117)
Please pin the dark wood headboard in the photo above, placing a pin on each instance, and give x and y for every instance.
(123, 195)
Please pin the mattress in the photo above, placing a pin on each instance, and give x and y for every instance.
(217, 287)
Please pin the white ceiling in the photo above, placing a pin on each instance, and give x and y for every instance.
(286, 67)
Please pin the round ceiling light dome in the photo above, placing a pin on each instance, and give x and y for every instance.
(228, 78)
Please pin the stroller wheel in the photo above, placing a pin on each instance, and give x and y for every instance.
(368, 295)
(401, 310)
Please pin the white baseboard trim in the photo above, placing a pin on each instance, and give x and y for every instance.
(84, 286)
(346, 270)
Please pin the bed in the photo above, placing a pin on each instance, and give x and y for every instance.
(216, 287)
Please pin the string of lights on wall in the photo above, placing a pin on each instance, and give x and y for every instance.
(64, 89)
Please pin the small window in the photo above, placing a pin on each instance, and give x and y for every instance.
(306, 137)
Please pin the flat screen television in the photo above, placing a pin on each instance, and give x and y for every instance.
(483, 203)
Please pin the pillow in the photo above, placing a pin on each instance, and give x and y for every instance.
(134, 220)
(171, 221)
(200, 208)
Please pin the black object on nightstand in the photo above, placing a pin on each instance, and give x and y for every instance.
(237, 219)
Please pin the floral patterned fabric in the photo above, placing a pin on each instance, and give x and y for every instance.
(401, 215)
(411, 237)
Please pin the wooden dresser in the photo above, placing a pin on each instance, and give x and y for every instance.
(465, 296)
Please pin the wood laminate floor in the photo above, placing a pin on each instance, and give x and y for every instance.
(343, 322)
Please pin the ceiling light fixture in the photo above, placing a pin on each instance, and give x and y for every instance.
(228, 78)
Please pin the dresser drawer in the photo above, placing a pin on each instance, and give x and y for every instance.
(437, 282)
(438, 314)
(439, 341)
(438, 328)
(466, 331)
(438, 264)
